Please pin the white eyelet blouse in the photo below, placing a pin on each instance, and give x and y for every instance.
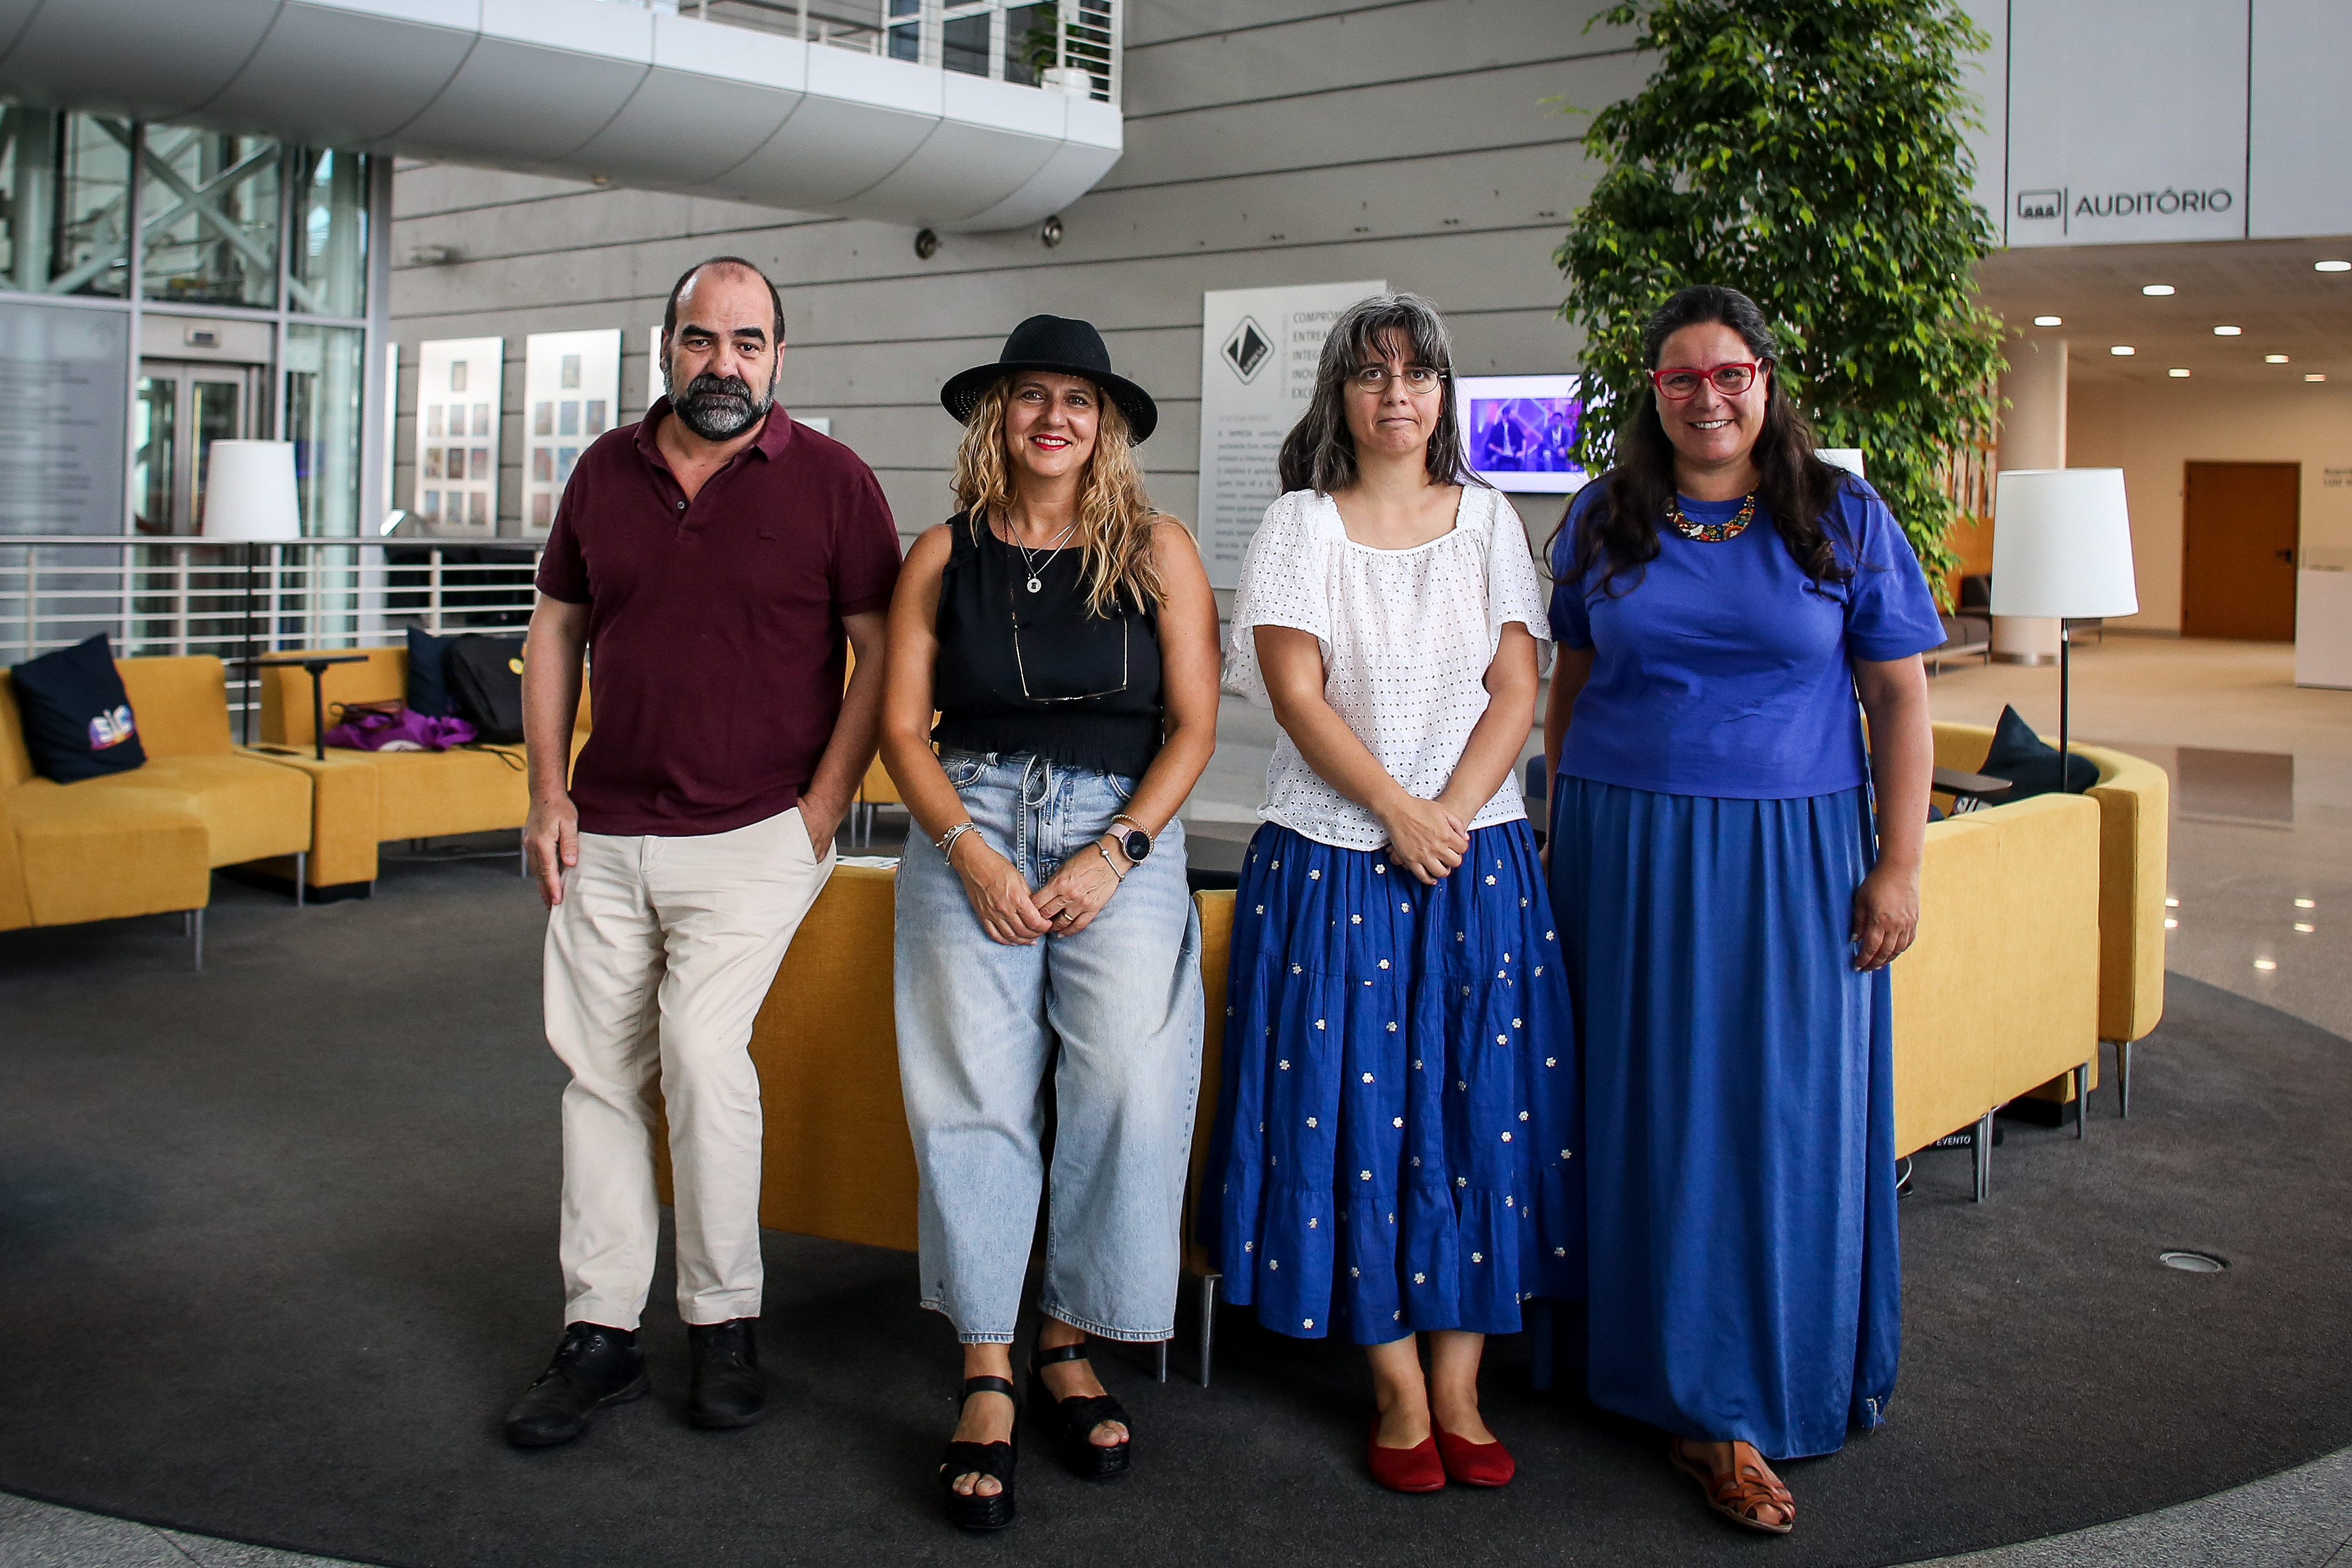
(1407, 637)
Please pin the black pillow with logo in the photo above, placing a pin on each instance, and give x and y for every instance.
(428, 686)
(78, 721)
(2027, 761)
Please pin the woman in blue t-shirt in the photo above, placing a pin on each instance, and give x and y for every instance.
(1728, 906)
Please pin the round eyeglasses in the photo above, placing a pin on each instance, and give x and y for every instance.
(1418, 378)
(1679, 382)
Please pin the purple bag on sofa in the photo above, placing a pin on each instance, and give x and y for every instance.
(395, 727)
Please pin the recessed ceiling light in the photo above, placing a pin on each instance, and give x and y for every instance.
(2048, 321)
(2123, 350)
(2157, 291)
(2266, 964)
(2307, 903)
(2275, 359)
(2178, 373)
(2172, 903)
(2227, 331)
(2306, 927)
(2332, 267)
(2314, 377)
(2171, 924)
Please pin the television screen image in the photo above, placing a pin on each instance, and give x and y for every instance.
(1518, 430)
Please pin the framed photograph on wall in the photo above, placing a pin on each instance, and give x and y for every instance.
(570, 395)
(1518, 431)
(457, 449)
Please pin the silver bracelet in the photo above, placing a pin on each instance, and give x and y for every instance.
(1104, 850)
(947, 841)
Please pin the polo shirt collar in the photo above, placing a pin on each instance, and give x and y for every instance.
(773, 436)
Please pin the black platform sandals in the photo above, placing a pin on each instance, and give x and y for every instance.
(1071, 1422)
(971, 1509)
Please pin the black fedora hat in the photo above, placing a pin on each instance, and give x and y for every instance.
(1055, 343)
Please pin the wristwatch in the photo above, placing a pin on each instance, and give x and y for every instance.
(1135, 843)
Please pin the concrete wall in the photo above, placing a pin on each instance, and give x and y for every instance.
(2150, 432)
(1269, 142)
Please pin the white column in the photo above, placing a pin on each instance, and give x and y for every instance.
(2033, 436)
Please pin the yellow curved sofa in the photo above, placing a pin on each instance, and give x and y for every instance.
(2135, 800)
(146, 841)
(364, 798)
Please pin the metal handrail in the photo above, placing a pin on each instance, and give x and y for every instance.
(178, 595)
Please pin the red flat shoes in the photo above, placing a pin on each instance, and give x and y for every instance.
(1413, 1470)
(1474, 1464)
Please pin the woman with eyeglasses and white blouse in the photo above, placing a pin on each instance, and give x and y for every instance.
(1396, 1146)
(1063, 632)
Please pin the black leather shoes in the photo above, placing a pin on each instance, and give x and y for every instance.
(729, 1389)
(595, 1366)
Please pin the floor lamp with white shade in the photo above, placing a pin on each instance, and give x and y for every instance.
(249, 496)
(2062, 547)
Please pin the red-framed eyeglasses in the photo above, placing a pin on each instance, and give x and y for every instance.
(1676, 383)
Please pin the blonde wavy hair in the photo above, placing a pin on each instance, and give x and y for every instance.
(1115, 517)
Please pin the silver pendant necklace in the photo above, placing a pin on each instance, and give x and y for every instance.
(1029, 561)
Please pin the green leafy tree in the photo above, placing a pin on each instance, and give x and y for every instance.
(1808, 154)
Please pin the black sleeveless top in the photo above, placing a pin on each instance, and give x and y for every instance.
(1039, 672)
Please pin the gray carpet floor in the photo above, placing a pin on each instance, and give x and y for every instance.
(276, 1247)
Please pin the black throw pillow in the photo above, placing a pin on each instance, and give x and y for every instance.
(428, 682)
(2024, 758)
(78, 722)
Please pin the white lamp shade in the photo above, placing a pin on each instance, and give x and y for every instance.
(1846, 457)
(249, 491)
(2062, 544)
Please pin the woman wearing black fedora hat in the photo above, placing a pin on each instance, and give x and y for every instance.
(1062, 633)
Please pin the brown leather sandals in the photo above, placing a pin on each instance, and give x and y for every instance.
(1740, 1496)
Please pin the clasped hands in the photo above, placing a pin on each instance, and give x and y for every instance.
(1427, 838)
(1014, 914)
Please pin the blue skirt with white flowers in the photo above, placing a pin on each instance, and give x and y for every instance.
(1396, 1143)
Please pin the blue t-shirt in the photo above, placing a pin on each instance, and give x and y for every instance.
(1721, 668)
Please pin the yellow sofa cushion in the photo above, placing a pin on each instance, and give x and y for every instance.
(251, 809)
(94, 855)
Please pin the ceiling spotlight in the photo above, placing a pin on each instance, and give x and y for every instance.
(2314, 377)
(2156, 290)
(2123, 351)
(2275, 359)
(2048, 321)
(2332, 267)
(2227, 331)
(2307, 903)
(2171, 924)
(2306, 927)
(2266, 964)
(2178, 373)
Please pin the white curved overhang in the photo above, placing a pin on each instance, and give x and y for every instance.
(580, 89)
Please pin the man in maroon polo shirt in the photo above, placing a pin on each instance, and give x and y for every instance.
(710, 562)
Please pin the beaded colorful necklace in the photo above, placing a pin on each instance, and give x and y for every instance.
(1712, 533)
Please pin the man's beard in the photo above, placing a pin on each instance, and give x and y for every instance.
(718, 407)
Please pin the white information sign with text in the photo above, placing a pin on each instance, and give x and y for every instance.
(1258, 350)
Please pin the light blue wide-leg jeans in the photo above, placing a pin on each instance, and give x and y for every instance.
(1110, 1017)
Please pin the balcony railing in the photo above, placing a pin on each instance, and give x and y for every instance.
(1063, 46)
(164, 596)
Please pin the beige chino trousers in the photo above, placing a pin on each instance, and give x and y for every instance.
(657, 960)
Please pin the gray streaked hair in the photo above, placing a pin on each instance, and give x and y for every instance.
(1319, 453)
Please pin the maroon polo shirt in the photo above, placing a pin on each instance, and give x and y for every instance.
(715, 642)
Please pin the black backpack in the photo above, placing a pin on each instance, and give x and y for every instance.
(485, 677)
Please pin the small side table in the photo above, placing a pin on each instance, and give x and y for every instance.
(1969, 790)
(317, 663)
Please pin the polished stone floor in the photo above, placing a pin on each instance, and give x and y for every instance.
(2261, 876)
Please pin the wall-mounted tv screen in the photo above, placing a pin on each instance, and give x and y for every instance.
(1518, 430)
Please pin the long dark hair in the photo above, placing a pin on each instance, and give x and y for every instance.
(1319, 453)
(1796, 487)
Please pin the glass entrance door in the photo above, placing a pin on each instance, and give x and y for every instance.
(182, 408)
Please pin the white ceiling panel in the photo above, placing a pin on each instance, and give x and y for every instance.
(132, 58)
(299, 84)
